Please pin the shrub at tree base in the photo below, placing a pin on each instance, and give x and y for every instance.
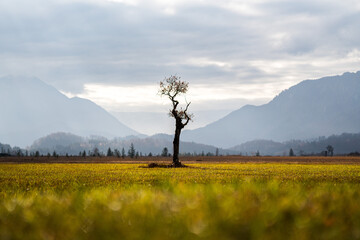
(164, 165)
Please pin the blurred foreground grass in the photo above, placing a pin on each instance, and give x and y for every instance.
(205, 201)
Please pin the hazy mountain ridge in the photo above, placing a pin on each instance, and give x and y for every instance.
(72, 144)
(33, 109)
(69, 143)
(343, 144)
(312, 108)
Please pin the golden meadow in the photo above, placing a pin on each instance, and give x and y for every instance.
(202, 201)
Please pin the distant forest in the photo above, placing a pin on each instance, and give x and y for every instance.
(66, 143)
(69, 144)
(346, 143)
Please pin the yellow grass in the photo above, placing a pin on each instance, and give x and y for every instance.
(204, 201)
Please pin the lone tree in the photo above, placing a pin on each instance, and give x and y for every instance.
(172, 87)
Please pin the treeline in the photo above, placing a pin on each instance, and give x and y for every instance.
(7, 150)
(64, 143)
(131, 152)
(344, 144)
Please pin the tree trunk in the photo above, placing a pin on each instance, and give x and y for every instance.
(176, 144)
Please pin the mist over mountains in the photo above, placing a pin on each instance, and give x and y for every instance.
(32, 109)
(312, 108)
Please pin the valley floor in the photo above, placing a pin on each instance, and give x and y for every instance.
(188, 159)
(241, 197)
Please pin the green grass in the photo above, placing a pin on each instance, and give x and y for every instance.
(205, 201)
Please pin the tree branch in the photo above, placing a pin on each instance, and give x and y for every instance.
(187, 106)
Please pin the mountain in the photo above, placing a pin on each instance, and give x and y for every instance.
(264, 147)
(312, 108)
(31, 109)
(72, 144)
(342, 144)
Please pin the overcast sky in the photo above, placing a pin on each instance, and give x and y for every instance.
(232, 52)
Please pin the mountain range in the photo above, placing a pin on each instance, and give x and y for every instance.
(32, 109)
(312, 108)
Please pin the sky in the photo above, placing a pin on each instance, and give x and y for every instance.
(231, 52)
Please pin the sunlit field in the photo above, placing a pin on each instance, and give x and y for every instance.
(206, 200)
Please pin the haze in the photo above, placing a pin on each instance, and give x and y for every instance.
(232, 52)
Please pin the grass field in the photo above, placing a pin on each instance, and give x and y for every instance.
(208, 200)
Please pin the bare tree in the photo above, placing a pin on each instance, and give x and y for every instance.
(330, 150)
(172, 87)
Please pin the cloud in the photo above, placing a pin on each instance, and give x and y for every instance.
(222, 45)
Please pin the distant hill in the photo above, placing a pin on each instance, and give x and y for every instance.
(64, 143)
(31, 109)
(312, 108)
(343, 144)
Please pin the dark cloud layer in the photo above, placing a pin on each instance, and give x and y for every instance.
(70, 43)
